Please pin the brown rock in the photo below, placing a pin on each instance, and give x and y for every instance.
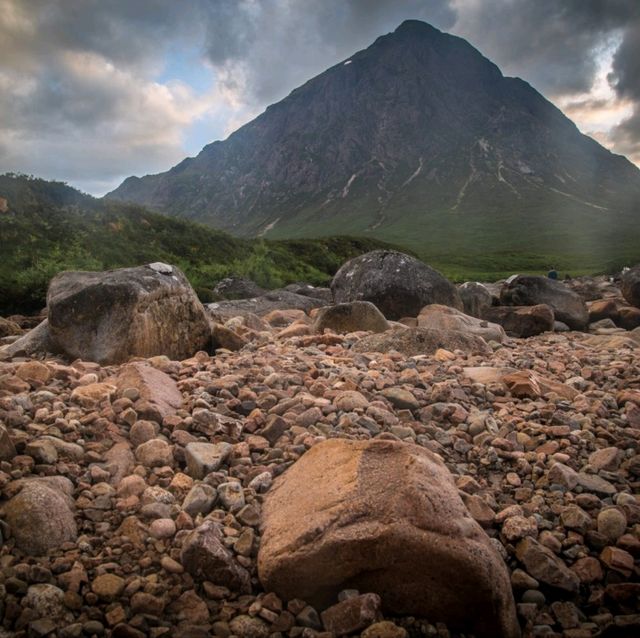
(351, 615)
(618, 560)
(156, 389)
(588, 570)
(350, 317)
(93, 393)
(525, 383)
(33, 371)
(205, 557)
(384, 629)
(439, 317)
(40, 518)
(607, 458)
(415, 341)
(384, 517)
(522, 321)
(108, 586)
(541, 563)
(222, 337)
(7, 448)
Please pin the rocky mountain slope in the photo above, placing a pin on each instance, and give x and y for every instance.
(420, 140)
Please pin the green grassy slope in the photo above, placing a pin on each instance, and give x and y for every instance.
(50, 227)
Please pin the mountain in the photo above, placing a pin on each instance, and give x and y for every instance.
(47, 227)
(422, 141)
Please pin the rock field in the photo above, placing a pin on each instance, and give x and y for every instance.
(464, 490)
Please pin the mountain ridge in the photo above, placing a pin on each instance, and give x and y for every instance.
(415, 136)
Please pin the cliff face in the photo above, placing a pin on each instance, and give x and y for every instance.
(418, 139)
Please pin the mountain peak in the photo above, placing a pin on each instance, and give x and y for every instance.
(417, 27)
(419, 140)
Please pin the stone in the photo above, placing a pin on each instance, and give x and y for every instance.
(528, 384)
(281, 299)
(205, 557)
(574, 517)
(249, 627)
(416, 341)
(231, 496)
(200, 499)
(223, 337)
(352, 615)
(158, 392)
(9, 328)
(203, 458)
(517, 527)
(384, 517)
(563, 475)
(162, 528)
(398, 285)
(631, 286)
(384, 629)
(92, 394)
(522, 321)
(349, 400)
(476, 298)
(401, 399)
(618, 560)
(142, 431)
(34, 371)
(40, 518)
(607, 458)
(47, 601)
(237, 288)
(439, 317)
(7, 447)
(154, 453)
(541, 563)
(350, 317)
(37, 341)
(588, 570)
(531, 290)
(612, 523)
(111, 316)
(108, 586)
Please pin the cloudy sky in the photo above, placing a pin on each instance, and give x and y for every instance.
(92, 91)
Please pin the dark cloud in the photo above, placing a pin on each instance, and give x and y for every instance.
(553, 44)
(268, 48)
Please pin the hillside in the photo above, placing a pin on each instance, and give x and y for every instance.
(418, 140)
(47, 227)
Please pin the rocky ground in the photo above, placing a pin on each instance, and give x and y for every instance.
(152, 498)
(552, 463)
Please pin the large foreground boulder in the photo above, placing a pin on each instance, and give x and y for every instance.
(522, 321)
(631, 286)
(383, 517)
(350, 317)
(415, 341)
(531, 290)
(111, 316)
(399, 285)
(445, 318)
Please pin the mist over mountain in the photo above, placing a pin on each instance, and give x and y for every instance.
(419, 140)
